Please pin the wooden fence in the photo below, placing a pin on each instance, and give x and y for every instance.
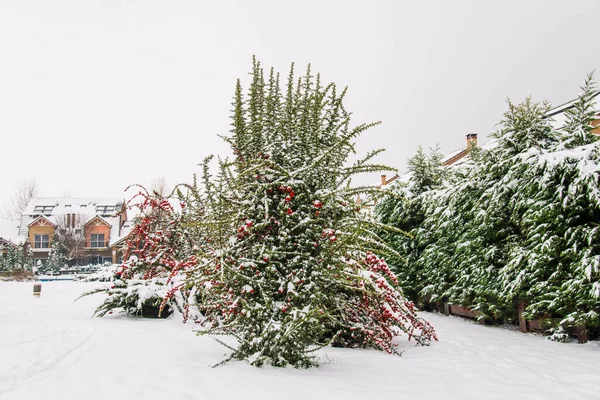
(536, 325)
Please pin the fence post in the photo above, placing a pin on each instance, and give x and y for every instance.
(520, 311)
(582, 333)
(446, 308)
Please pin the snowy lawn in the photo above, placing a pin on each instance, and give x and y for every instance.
(51, 348)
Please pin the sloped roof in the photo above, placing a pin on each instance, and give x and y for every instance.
(558, 113)
(72, 205)
(125, 231)
(454, 155)
(461, 155)
(558, 119)
(53, 208)
(570, 104)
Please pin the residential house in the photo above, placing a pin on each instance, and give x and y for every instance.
(557, 114)
(96, 227)
(456, 157)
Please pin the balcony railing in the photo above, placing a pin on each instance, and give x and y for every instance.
(96, 245)
(40, 249)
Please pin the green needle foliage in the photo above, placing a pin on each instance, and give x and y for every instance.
(519, 221)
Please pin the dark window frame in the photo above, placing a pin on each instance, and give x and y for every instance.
(97, 240)
(38, 241)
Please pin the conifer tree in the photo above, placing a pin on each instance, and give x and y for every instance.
(57, 256)
(518, 222)
(298, 268)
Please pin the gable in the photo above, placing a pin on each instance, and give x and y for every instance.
(97, 221)
(41, 221)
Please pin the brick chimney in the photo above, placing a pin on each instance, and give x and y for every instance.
(383, 180)
(471, 140)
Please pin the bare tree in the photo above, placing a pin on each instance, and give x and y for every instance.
(159, 186)
(13, 210)
(70, 230)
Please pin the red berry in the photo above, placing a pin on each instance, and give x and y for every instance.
(289, 211)
(317, 213)
(249, 224)
(288, 189)
(288, 199)
(265, 259)
(333, 238)
(317, 204)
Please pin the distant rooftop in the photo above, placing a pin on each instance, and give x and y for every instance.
(49, 206)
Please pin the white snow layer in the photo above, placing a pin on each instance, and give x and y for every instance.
(51, 348)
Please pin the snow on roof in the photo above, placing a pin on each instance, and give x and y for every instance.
(558, 119)
(52, 208)
(125, 231)
(564, 107)
(558, 113)
(73, 205)
(455, 153)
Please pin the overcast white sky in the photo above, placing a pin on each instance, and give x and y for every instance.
(97, 95)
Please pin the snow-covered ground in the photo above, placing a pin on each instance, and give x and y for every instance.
(51, 348)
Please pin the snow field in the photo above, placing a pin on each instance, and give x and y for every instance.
(51, 348)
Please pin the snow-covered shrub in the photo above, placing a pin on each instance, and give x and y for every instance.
(558, 334)
(519, 221)
(159, 249)
(16, 257)
(290, 262)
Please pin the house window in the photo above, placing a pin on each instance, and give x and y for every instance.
(44, 210)
(97, 240)
(41, 242)
(105, 210)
